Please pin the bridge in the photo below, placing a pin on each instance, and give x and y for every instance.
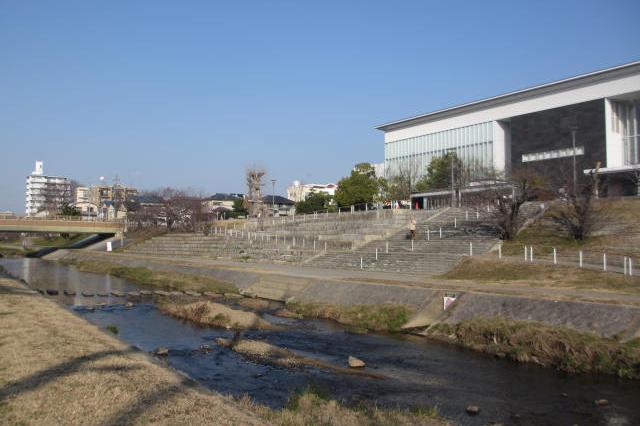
(62, 225)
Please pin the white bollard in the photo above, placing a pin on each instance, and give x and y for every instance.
(531, 254)
(455, 222)
(580, 258)
(428, 235)
(466, 215)
(411, 245)
(441, 232)
(555, 258)
(376, 253)
(361, 263)
(500, 252)
(470, 249)
(477, 215)
(604, 262)
(525, 253)
(624, 265)
(630, 267)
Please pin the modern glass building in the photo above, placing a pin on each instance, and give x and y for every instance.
(532, 126)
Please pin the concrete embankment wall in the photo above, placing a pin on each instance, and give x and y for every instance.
(600, 318)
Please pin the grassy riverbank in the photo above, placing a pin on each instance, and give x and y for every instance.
(214, 315)
(479, 269)
(557, 347)
(386, 317)
(314, 407)
(163, 279)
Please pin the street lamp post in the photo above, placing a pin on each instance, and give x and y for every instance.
(273, 196)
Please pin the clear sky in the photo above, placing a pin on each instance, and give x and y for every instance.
(188, 93)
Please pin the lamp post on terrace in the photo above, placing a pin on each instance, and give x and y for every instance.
(273, 196)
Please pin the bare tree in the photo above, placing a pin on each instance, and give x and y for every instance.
(577, 213)
(253, 200)
(508, 197)
(402, 179)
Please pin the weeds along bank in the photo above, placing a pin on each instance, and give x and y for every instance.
(586, 337)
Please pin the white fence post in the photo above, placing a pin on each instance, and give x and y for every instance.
(411, 245)
(500, 251)
(580, 258)
(455, 222)
(325, 246)
(387, 247)
(624, 265)
(525, 253)
(630, 267)
(555, 258)
(466, 214)
(376, 253)
(604, 262)
(428, 235)
(470, 249)
(531, 254)
(441, 232)
(314, 245)
(361, 265)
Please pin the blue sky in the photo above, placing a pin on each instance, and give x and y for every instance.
(188, 94)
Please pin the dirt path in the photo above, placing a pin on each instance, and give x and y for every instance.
(55, 368)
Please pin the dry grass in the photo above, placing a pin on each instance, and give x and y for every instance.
(550, 346)
(312, 407)
(58, 369)
(164, 279)
(619, 231)
(387, 317)
(215, 314)
(479, 269)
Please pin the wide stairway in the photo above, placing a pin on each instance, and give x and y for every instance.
(442, 239)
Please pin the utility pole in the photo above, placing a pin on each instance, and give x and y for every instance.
(273, 196)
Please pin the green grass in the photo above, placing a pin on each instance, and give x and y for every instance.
(112, 328)
(550, 346)
(164, 279)
(58, 241)
(12, 252)
(543, 275)
(387, 317)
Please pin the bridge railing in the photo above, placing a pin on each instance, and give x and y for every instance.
(64, 218)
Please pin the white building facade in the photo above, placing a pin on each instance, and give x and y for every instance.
(531, 125)
(45, 194)
(298, 191)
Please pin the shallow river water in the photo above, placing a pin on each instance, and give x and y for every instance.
(418, 371)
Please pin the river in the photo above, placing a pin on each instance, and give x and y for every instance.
(418, 371)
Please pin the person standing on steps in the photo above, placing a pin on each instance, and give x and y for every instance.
(412, 227)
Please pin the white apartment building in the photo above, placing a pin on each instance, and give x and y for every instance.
(299, 192)
(45, 194)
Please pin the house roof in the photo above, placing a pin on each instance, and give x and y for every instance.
(277, 199)
(221, 196)
(571, 82)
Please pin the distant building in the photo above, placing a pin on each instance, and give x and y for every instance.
(7, 214)
(46, 195)
(83, 194)
(117, 193)
(221, 202)
(378, 169)
(279, 206)
(299, 192)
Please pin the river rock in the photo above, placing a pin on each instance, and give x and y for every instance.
(128, 305)
(161, 351)
(146, 292)
(133, 294)
(117, 293)
(192, 293)
(473, 410)
(161, 293)
(70, 292)
(87, 294)
(355, 362)
(176, 293)
(601, 402)
(52, 291)
(233, 296)
(102, 294)
(212, 294)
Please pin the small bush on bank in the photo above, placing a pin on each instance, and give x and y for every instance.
(386, 317)
(112, 328)
(559, 347)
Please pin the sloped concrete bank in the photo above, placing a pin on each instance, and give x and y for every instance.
(600, 318)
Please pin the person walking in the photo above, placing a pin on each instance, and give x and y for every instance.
(412, 227)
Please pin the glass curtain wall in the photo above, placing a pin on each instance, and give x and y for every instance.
(472, 144)
(630, 117)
